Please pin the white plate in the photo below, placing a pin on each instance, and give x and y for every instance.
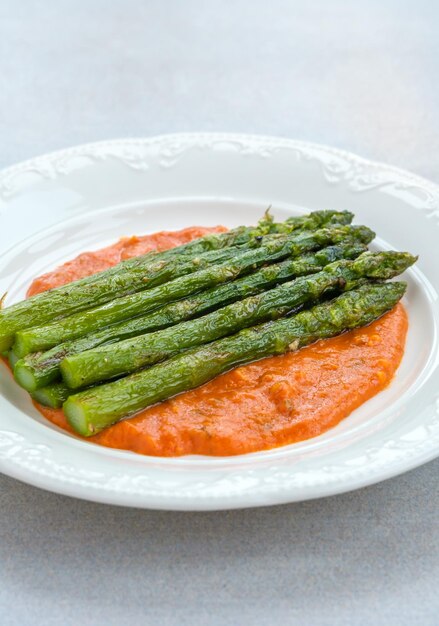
(86, 197)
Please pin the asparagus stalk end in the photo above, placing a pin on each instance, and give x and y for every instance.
(52, 396)
(21, 345)
(24, 376)
(78, 419)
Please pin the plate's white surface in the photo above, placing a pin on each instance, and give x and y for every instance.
(55, 206)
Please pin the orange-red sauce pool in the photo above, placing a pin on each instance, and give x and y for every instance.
(269, 403)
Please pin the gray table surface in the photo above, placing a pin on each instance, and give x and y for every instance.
(360, 75)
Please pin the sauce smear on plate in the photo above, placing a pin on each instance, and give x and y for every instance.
(273, 402)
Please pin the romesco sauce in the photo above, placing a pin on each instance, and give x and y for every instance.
(269, 403)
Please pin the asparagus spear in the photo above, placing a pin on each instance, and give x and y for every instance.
(272, 249)
(316, 219)
(125, 357)
(88, 292)
(39, 369)
(52, 396)
(142, 272)
(243, 234)
(164, 271)
(93, 410)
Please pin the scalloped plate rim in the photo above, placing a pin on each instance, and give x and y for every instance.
(120, 141)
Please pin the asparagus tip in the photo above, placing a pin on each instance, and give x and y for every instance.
(267, 214)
